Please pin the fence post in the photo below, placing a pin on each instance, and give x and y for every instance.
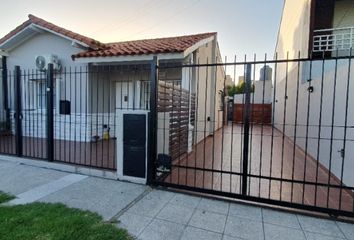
(5, 92)
(18, 114)
(152, 143)
(50, 115)
(246, 121)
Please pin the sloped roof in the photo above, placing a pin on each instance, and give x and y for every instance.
(91, 43)
(128, 48)
(148, 46)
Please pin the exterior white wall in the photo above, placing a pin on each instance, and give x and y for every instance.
(69, 86)
(294, 37)
(209, 82)
(309, 113)
(294, 29)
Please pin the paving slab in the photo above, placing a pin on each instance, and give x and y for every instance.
(152, 204)
(245, 211)
(18, 178)
(275, 232)
(196, 233)
(105, 197)
(44, 190)
(208, 221)
(321, 226)
(244, 228)
(162, 230)
(280, 218)
(133, 223)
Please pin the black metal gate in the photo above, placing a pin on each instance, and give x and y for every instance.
(289, 142)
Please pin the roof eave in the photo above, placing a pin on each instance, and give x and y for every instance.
(130, 58)
(33, 29)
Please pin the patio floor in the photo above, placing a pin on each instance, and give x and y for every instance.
(223, 152)
(101, 154)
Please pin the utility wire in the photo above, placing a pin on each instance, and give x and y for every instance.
(162, 22)
(144, 10)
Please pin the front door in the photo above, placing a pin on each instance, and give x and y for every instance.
(134, 145)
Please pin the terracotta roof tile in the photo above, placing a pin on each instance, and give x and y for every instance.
(147, 46)
(91, 43)
(128, 48)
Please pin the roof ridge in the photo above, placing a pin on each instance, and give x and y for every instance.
(32, 19)
(163, 38)
(36, 20)
(164, 45)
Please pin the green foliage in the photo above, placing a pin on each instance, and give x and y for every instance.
(5, 197)
(55, 222)
(238, 89)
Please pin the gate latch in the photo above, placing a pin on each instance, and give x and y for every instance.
(342, 152)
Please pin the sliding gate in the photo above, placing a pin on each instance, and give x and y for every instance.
(289, 140)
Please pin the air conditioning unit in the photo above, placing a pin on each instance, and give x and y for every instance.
(42, 62)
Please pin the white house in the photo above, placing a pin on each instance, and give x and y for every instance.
(318, 94)
(96, 82)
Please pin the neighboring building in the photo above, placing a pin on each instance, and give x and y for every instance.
(317, 29)
(91, 101)
(229, 81)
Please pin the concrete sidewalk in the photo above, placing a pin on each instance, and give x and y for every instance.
(156, 214)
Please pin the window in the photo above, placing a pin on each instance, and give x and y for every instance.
(42, 95)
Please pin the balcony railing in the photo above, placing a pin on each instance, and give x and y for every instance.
(333, 39)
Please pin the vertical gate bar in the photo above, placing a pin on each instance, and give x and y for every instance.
(109, 109)
(242, 123)
(197, 73)
(90, 73)
(273, 123)
(179, 94)
(18, 108)
(284, 124)
(50, 115)
(77, 159)
(5, 92)
(262, 127)
(190, 70)
(246, 128)
(25, 116)
(307, 129)
(80, 114)
(319, 127)
(223, 121)
(295, 127)
(37, 118)
(96, 163)
(152, 143)
(205, 117)
(332, 127)
(213, 120)
(345, 128)
(232, 125)
(30, 116)
(9, 146)
(103, 111)
(114, 121)
(251, 123)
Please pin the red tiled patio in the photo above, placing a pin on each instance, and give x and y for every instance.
(223, 152)
(101, 154)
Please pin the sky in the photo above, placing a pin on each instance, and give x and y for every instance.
(244, 26)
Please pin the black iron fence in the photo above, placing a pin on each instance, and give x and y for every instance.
(283, 135)
(70, 115)
(288, 140)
